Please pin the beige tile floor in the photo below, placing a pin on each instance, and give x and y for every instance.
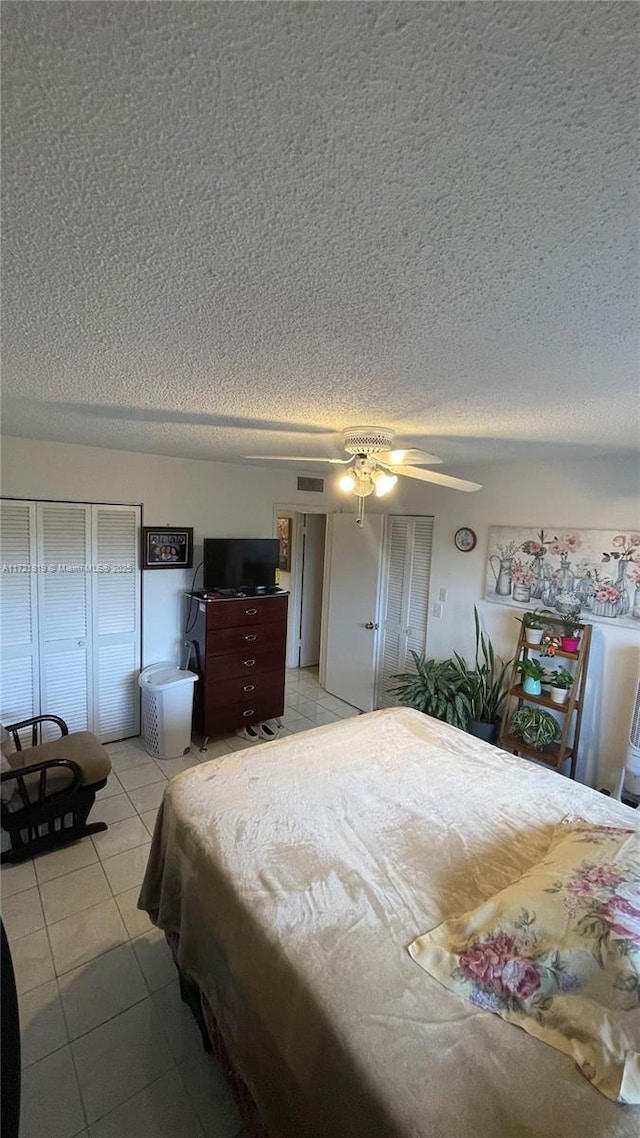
(108, 1048)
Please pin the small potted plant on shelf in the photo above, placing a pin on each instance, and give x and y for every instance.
(570, 639)
(561, 684)
(535, 726)
(534, 624)
(436, 688)
(533, 672)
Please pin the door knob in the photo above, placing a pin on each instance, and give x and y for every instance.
(370, 624)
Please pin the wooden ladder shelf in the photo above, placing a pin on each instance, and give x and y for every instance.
(554, 754)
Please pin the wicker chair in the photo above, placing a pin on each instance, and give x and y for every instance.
(49, 789)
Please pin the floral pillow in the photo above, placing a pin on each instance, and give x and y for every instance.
(558, 953)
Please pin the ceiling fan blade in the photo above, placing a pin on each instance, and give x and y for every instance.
(407, 458)
(438, 479)
(297, 458)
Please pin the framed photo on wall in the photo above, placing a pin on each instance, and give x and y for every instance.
(170, 547)
(284, 537)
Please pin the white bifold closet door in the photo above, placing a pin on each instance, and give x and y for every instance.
(19, 663)
(71, 623)
(405, 600)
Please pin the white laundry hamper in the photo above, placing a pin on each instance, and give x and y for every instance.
(167, 706)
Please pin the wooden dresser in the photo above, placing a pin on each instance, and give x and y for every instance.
(240, 646)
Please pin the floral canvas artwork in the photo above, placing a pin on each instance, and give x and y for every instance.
(595, 572)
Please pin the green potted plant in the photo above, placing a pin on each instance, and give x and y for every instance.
(561, 684)
(571, 629)
(486, 684)
(534, 623)
(532, 671)
(535, 726)
(436, 688)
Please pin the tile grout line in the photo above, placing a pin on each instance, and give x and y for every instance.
(72, 1056)
(188, 1094)
(146, 1088)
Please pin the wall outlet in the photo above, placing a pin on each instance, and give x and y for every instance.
(443, 594)
(437, 610)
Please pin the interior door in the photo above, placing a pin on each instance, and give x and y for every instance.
(405, 603)
(19, 666)
(70, 609)
(313, 538)
(64, 605)
(116, 622)
(353, 569)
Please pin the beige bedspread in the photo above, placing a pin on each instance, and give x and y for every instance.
(298, 872)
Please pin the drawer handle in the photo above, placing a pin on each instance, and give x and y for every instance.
(250, 612)
(251, 636)
(249, 687)
(246, 714)
(248, 663)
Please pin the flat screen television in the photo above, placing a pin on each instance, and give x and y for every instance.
(240, 563)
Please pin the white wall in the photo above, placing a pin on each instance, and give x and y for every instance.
(233, 500)
(583, 494)
(217, 499)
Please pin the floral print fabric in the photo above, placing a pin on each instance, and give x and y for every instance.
(558, 953)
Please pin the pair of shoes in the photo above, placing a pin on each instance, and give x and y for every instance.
(249, 732)
(255, 732)
(268, 730)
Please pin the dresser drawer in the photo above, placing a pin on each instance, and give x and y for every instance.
(244, 689)
(243, 662)
(221, 720)
(246, 638)
(249, 610)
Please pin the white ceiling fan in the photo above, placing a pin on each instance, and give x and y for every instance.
(375, 465)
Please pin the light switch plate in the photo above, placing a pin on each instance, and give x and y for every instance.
(437, 610)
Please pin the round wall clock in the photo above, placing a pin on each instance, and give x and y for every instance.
(465, 539)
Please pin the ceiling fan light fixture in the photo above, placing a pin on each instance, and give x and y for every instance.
(383, 482)
(347, 482)
(363, 487)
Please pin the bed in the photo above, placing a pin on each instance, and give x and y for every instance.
(294, 876)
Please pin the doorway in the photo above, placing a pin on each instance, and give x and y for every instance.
(377, 602)
(305, 583)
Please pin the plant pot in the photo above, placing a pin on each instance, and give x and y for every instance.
(534, 635)
(483, 730)
(559, 695)
(531, 686)
(569, 643)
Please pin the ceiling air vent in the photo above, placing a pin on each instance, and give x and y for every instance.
(316, 485)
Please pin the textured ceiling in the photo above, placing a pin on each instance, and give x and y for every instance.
(237, 228)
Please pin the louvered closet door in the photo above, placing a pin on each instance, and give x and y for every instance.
(407, 570)
(19, 671)
(116, 622)
(64, 597)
